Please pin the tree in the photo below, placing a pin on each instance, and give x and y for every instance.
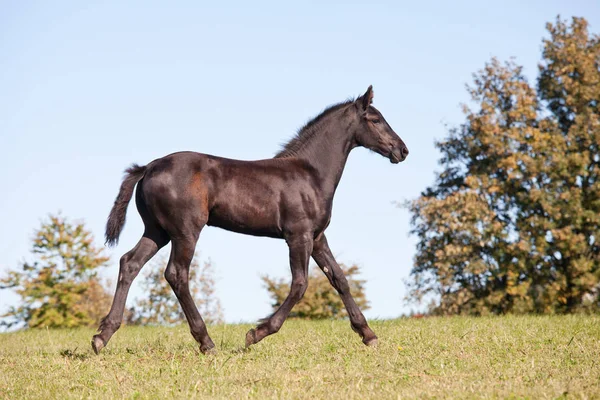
(320, 301)
(569, 85)
(60, 287)
(161, 307)
(97, 300)
(510, 224)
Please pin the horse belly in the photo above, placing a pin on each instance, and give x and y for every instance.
(248, 215)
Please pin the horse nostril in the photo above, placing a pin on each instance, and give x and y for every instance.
(404, 151)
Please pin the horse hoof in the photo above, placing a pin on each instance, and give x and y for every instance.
(250, 337)
(97, 344)
(209, 352)
(372, 343)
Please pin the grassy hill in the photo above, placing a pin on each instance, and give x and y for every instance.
(532, 357)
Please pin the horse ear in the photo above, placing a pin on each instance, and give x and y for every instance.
(366, 99)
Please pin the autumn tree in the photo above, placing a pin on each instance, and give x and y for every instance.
(321, 300)
(59, 287)
(511, 222)
(161, 307)
(569, 86)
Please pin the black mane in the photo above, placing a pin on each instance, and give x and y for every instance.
(305, 133)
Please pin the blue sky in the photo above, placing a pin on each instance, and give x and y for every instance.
(87, 88)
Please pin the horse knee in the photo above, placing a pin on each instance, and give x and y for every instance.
(298, 288)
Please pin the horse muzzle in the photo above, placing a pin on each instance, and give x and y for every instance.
(398, 154)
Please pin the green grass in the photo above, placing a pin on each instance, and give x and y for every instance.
(504, 357)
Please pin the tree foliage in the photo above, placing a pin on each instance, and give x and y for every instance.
(60, 287)
(511, 223)
(161, 307)
(321, 300)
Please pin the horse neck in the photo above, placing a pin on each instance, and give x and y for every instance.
(328, 149)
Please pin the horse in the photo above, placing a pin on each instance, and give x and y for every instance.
(287, 197)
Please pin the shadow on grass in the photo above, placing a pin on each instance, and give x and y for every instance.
(74, 355)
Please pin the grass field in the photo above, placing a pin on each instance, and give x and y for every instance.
(504, 357)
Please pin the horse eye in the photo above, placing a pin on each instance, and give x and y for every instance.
(376, 121)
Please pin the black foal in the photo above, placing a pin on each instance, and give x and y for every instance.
(287, 197)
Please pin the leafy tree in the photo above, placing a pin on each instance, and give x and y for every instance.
(60, 287)
(511, 223)
(97, 300)
(161, 307)
(321, 301)
(569, 85)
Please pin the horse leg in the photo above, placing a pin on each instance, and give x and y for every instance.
(300, 247)
(325, 260)
(177, 274)
(130, 265)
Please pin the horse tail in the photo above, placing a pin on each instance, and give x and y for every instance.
(116, 218)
